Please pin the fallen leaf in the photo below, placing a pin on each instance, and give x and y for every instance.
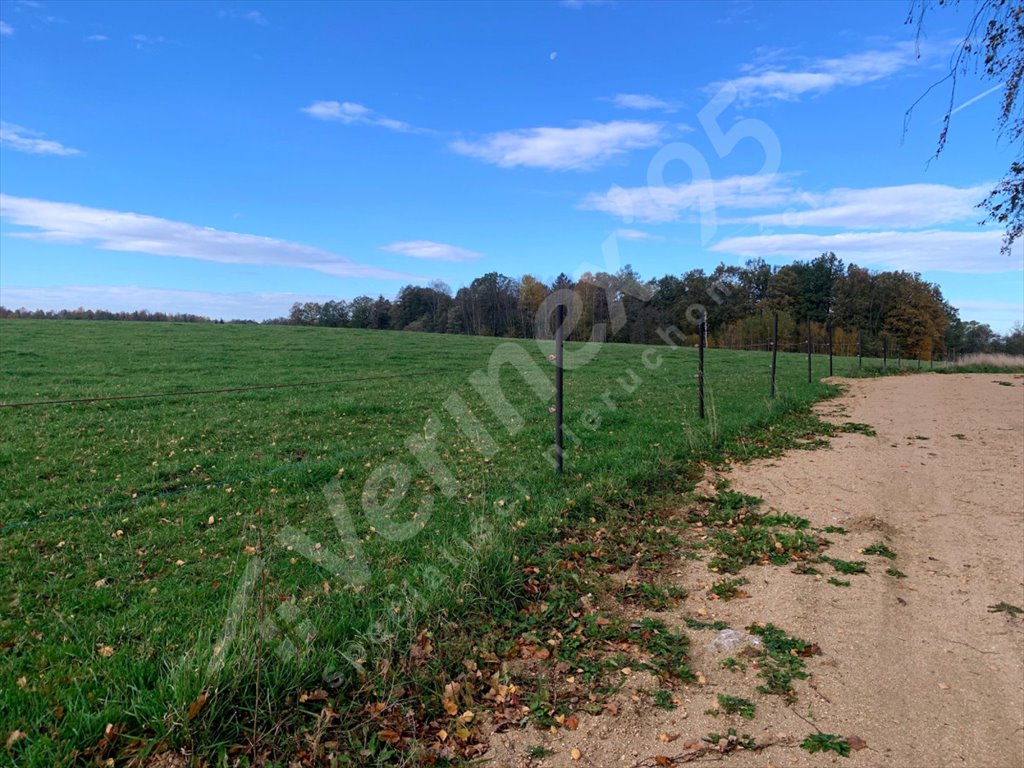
(663, 760)
(106, 651)
(318, 695)
(572, 722)
(856, 743)
(576, 754)
(388, 735)
(197, 706)
(22, 681)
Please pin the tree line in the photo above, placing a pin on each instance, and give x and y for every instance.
(863, 310)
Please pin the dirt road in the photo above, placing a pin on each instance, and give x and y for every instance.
(918, 667)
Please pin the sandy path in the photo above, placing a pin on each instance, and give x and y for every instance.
(916, 667)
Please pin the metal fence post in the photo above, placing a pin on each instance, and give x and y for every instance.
(829, 347)
(775, 348)
(701, 331)
(559, 371)
(810, 376)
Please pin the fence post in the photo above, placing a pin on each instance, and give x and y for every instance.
(810, 376)
(885, 354)
(829, 347)
(860, 348)
(775, 347)
(701, 331)
(559, 371)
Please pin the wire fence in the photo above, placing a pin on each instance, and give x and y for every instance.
(705, 347)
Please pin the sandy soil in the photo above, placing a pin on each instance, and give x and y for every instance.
(917, 667)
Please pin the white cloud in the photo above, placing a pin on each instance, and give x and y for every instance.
(579, 5)
(904, 206)
(351, 113)
(253, 17)
(632, 234)
(660, 204)
(428, 249)
(974, 252)
(137, 233)
(126, 298)
(24, 140)
(561, 149)
(5, 28)
(641, 101)
(821, 75)
(97, 38)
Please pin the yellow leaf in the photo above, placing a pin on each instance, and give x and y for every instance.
(576, 754)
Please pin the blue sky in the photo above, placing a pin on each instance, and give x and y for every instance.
(232, 158)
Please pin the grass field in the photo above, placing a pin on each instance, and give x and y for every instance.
(129, 526)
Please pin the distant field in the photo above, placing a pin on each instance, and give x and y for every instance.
(128, 525)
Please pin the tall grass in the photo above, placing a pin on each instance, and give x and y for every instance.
(988, 361)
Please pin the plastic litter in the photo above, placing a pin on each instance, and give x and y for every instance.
(729, 640)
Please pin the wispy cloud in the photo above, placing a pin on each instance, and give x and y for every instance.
(138, 233)
(97, 38)
(975, 252)
(560, 149)
(660, 204)
(428, 249)
(351, 113)
(127, 298)
(641, 101)
(147, 42)
(633, 234)
(821, 75)
(253, 17)
(23, 140)
(906, 206)
(5, 28)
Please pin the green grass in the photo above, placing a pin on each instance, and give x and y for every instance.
(128, 526)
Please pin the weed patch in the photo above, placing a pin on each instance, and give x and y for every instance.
(847, 567)
(826, 742)
(1013, 611)
(733, 705)
(880, 549)
(781, 660)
